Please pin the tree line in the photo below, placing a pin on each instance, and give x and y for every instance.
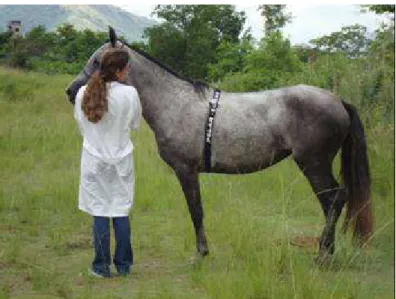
(65, 50)
(209, 42)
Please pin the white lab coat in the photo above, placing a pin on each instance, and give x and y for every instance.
(107, 176)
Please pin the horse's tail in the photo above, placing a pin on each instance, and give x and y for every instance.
(356, 178)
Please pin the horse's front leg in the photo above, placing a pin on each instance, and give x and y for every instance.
(190, 185)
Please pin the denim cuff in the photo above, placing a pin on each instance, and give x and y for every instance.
(123, 270)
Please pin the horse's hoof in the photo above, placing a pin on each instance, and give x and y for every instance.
(203, 251)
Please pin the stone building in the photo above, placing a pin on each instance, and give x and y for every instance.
(15, 27)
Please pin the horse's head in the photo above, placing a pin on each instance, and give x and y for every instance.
(91, 66)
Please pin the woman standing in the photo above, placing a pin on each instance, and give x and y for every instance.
(106, 110)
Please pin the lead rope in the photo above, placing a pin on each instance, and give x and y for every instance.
(213, 104)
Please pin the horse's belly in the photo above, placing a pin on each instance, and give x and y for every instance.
(247, 161)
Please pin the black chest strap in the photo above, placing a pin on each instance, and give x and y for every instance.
(213, 104)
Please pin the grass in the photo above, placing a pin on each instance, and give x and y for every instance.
(260, 226)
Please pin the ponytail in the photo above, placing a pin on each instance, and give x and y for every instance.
(94, 102)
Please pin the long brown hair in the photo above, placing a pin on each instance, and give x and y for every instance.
(94, 102)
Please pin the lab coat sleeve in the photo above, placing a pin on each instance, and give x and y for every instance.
(136, 113)
(78, 113)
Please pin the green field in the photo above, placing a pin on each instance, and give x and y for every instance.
(261, 227)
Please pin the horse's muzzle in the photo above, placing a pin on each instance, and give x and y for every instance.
(70, 96)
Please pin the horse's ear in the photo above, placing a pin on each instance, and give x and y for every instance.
(113, 36)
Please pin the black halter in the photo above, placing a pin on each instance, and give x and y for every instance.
(213, 104)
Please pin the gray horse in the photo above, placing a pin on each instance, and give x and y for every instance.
(252, 131)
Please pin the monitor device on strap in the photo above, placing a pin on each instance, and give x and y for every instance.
(213, 104)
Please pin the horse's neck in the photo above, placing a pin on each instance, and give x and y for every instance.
(162, 94)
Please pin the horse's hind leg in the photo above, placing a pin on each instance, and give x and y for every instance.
(332, 198)
(190, 185)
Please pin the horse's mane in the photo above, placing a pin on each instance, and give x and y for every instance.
(199, 86)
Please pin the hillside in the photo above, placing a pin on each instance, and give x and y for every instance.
(93, 17)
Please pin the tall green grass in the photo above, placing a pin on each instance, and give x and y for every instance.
(253, 222)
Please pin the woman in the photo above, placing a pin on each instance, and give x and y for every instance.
(105, 111)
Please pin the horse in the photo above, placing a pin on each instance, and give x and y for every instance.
(252, 131)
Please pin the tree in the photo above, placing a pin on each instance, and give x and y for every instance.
(274, 17)
(272, 63)
(225, 23)
(230, 57)
(64, 51)
(73, 44)
(4, 38)
(380, 9)
(167, 44)
(383, 46)
(305, 53)
(38, 41)
(351, 40)
(266, 67)
(379, 87)
(66, 36)
(188, 39)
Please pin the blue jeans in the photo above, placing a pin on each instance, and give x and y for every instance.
(123, 256)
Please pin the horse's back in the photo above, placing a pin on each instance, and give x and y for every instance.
(282, 109)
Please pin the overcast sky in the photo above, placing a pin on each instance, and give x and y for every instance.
(309, 20)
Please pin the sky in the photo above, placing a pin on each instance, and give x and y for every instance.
(309, 21)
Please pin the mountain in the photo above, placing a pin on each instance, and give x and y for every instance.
(93, 17)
